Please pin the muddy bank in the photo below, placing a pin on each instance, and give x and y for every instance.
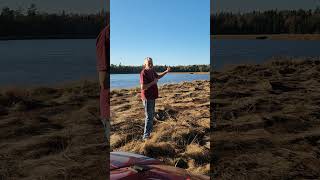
(181, 129)
(52, 133)
(268, 121)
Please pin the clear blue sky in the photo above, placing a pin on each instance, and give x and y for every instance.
(172, 32)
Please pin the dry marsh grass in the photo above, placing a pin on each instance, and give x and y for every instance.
(52, 133)
(267, 120)
(182, 122)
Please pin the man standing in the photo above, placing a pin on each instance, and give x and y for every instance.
(149, 93)
(103, 66)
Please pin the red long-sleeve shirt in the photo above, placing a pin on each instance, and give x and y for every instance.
(103, 59)
(147, 76)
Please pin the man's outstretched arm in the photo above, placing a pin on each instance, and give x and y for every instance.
(160, 75)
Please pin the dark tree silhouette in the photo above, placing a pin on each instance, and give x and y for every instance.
(267, 22)
(15, 24)
(121, 69)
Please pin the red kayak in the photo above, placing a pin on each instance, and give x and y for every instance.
(124, 165)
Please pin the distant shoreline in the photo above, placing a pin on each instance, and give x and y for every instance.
(224, 36)
(269, 36)
(189, 72)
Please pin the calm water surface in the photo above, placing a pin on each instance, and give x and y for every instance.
(225, 52)
(132, 80)
(43, 62)
(47, 62)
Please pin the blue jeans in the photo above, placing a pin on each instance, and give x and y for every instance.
(106, 127)
(149, 106)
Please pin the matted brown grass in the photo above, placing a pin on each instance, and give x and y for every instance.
(268, 120)
(181, 127)
(52, 133)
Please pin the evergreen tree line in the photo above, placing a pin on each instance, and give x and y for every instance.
(120, 69)
(267, 22)
(22, 23)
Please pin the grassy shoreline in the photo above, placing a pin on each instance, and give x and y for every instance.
(269, 36)
(46, 129)
(50, 128)
(267, 119)
(181, 128)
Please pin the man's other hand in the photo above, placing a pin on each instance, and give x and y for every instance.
(155, 81)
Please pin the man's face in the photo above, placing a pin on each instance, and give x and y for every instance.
(148, 64)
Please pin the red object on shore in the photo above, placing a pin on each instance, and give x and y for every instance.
(130, 166)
